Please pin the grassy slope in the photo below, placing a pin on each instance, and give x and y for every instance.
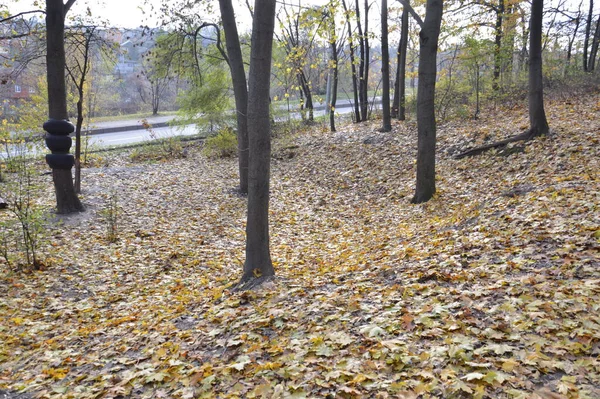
(492, 289)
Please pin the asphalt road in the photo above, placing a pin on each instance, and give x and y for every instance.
(140, 135)
(137, 136)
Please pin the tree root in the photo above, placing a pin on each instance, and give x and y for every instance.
(250, 284)
(525, 136)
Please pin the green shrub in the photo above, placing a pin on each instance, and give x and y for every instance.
(222, 145)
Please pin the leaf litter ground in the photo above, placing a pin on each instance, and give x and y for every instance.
(490, 290)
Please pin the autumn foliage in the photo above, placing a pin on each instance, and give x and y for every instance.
(490, 290)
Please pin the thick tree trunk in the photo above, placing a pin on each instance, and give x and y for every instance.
(537, 115)
(66, 198)
(385, 69)
(428, 45)
(258, 259)
(55, 58)
(240, 89)
(352, 47)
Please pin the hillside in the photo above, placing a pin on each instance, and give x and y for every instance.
(490, 290)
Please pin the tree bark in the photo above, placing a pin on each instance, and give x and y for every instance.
(363, 66)
(428, 45)
(594, 50)
(402, 66)
(258, 258)
(66, 198)
(498, 45)
(586, 41)
(334, 88)
(55, 58)
(78, 125)
(571, 41)
(537, 115)
(385, 69)
(367, 56)
(352, 48)
(240, 89)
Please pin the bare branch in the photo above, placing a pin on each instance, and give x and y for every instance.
(412, 12)
(10, 17)
(68, 5)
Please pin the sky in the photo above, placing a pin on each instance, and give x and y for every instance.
(130, 13)
(118, 13)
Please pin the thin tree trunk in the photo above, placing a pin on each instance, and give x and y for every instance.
(308, 94)
(586, 41)
(498, 45)
(258, 258)
(79, 123)
(80, 84)
(365, 78)
(402, 65)
(476, 115)
(537, 115)
(352, 47)
(428, 45)
(524, 38)
(334, 88)
(509, 39)
(385, 69)
(362, 67)
(571, 41)
(61, 163)
(396, 99)
(595, 43)
(240, 89)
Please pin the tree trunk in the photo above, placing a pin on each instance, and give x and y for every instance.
(334, 88)
(55, 58)
(258, 259)
(352, 64)
(240, 89)
(428, 45)
(586, 41)
(385, 69)
(304, 84)
(498, 45)
(363, 66)
(570, 46)
(523, 60)
(367, 56)
(402, 66)
(537, 115)
(396, 99)
(60, 161)
(594, 50)
(476, 115)
(78, 126)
